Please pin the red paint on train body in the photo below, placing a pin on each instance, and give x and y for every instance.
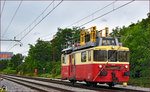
(87, 72)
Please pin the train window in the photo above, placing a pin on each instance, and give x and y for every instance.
(89, 55)
(83, 56)
(64, 59)
(106, 42)
(100, 55)
(123, 56)
(112, 55)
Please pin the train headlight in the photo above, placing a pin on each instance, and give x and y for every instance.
(126, 66)
(113, 47)
(100, 66)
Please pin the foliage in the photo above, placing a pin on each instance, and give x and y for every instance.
(16, 61)
(4, 64)
(38, 58)
(65, 37)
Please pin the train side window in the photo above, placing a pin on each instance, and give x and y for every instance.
(89, 55)
(100, 55)
(83, 56)
(64, 59)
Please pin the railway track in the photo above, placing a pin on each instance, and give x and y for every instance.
(46, 84)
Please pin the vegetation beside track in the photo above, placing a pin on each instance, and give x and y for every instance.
(40, 55)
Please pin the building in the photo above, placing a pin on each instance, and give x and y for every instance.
(6, 55)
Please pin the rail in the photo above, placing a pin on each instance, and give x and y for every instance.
(45, 84)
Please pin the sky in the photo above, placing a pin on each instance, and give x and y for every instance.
(67, 13)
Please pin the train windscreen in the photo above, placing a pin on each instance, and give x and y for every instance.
(100, 55)
(123, 56)
(112, 56)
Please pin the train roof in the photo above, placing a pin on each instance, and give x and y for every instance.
(99, 44)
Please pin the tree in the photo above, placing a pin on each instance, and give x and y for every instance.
(4, 64)
(16, 61)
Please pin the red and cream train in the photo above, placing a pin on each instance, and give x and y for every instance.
(96, 59)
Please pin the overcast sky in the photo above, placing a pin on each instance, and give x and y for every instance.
(64, 15)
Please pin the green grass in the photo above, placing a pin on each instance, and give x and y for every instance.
(142, 82)
(8, 71)
(48, 75)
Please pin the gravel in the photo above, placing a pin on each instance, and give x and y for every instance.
(14, 87)
(70, 88)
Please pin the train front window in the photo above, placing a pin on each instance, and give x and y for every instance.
(100, 55)
(123, 56)
(112, 56)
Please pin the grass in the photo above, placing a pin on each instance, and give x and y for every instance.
(142, 82)
(8, 71)
(48, 75)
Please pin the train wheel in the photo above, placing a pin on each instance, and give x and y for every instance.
(73, 82)
(94, 84)
(88, 83)
(111, 84)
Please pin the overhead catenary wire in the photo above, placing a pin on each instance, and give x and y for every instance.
(11, 47)
(36, 18)
(42, 19)
(107, 13)
(92, 13)
(2, 8)
(101, 15)
(33, 21)
(38, 22)
(12, 19)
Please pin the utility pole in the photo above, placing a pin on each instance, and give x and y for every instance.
(54, 70)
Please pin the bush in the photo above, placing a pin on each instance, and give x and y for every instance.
(8, 70)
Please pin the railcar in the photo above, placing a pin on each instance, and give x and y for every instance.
(96, 59)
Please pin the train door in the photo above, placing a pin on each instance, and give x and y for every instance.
(71, 66)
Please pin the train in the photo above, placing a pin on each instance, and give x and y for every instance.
(96, 59)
